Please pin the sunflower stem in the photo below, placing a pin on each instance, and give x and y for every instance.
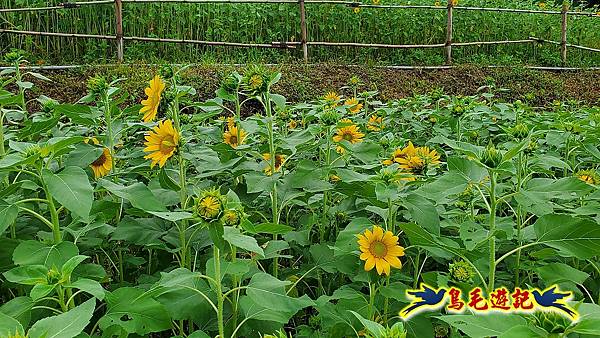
(492, 230)
(271, 137)
(219, 292)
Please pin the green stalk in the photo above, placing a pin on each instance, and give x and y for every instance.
(53, 213)
(371, 301)
(217, 260)
(19, 78)
(326, 193)
(492, 230)
(271, 138)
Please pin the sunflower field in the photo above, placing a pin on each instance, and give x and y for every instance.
(246, 215)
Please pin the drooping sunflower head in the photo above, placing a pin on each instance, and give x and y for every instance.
(589, 176)
(380, 249)
(279, 161)
(348, 132)
(255, 80)
(353, 105)
(461, 271)
(234, 136)
(375, 123)
(97, 86)
(161, 143)
(414, 164)
(151, 104)
(231, 83)
(103, 164)
(390, 176)
(519, 131)
(210, 204)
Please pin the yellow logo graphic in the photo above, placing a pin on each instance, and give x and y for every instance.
(427, 298)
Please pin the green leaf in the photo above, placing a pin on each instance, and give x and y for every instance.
(559, 272)
(423, 213)
(484, 326)
(71, 264)
(137, 194)
(34, 252)
(576, 237)
(135, 312)
(522, 331)
(66, 325)
(235, 238)
(72, 189)
(27, 275)
(90, 286)
(9, 326)
(172, 216)
(83, 155)
(376, 329)
(18, 308)
(79, 114)
(8, 214)
(267, 228)
(41, 290)
(269, 292)
(141, 231)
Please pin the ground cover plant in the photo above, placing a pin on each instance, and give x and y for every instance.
(181, 217)
(266, 23)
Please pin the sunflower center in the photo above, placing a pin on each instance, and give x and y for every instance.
(167, 144)
(100, 161)
(348, 136)
(378, 249)
(233, 139)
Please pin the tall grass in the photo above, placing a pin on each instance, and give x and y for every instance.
(265, 23)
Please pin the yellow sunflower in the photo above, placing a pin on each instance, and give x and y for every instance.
(350, 132)
(589, 176)
(161, 143)
(292, 124)
(92, 139)
(404, 153)
(380, 249)
(279, 160)
(375, 123)
(209, 207)
(429, 156)
(353, 105)
(150, 105)
(356, 10)
(332, 98)
(234, 136)
(418, 159)
(102, 166)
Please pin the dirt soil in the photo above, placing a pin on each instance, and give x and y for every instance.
(306, 82)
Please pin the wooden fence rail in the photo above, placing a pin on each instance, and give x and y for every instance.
(450, 9)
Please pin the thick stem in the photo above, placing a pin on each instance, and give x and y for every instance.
(274, 200)
(53, 215)
(492, 230)
(217, 260)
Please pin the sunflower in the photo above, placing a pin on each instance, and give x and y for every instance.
(102, 166)
(380, 249)
(279, 161)
(376, 2)
(17, 335)
(332, 98)
(210, 204)
(418, 159)
(353, 105)
(161, 143)
(375, 123)
(589, 176)
(150, 105)
(293, 124)
(234, 136)
(350, 133)
(403, 153)
(92, 139)
(356, 10)
(429, 156)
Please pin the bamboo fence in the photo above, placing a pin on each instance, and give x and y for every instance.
(448, 45)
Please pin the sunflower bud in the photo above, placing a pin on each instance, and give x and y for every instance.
(231, 84)
(255, 81)
(13, 57)
(461, 271)
(232, 217)
(491, 156)
(209, 205)
(441, 331)
(329, 117)
(97, 86)
(166, 72)
(520, 131)
(53, 276)
(589, 176)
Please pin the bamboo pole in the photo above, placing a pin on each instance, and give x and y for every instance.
(563, 31)
(484, 43)
(66, 35)
(448, 45)
(119, 29)
(212, 43)
(370, 45)
(64, 5)
(303, 30)
(568, 44)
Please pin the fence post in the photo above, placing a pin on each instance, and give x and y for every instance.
(449, 32)
(303, 30)
(563, 42)
(119, 28)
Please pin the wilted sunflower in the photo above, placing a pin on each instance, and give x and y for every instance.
(380, 250)
(279, 161)
(350, 132)
(375, 123)
(102, 166)
(150, 105)
(234, 136)
(161, 143)
(353, 105)
(589, 176)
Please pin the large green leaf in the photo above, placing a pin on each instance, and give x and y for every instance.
(50, 255)
(137, 194)
(484, 326)
(423, 212)
(72, 189)
(237, 239)
(9, 326)
(270, 292)
(8, 214)
(135, 312)
(66, 325)
(19, 308)
(576, 237)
